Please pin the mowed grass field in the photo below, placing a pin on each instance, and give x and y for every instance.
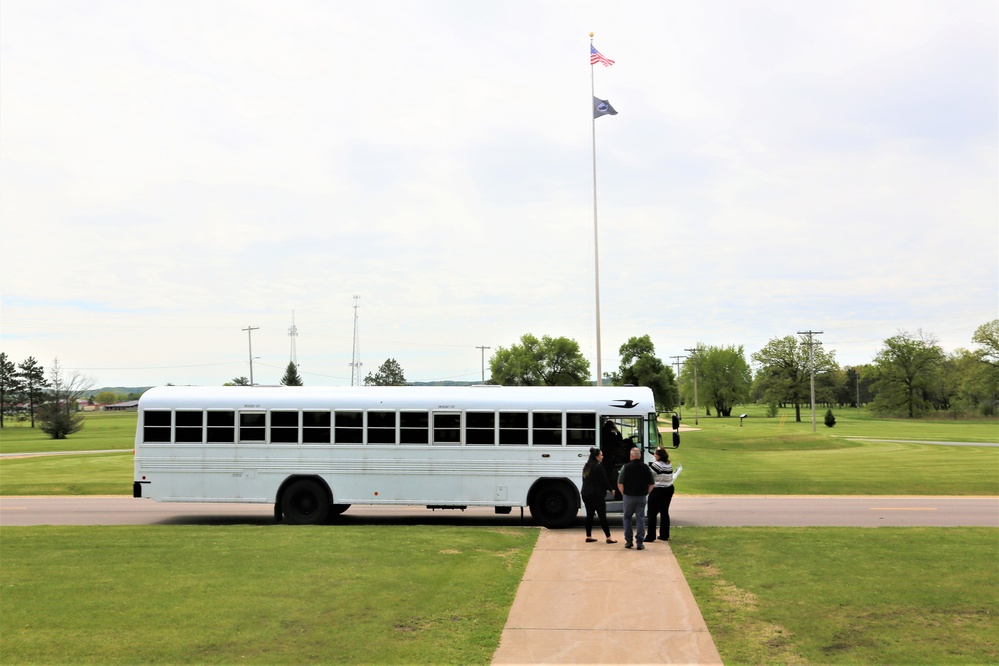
(279, 594)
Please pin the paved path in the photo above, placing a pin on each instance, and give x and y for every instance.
(599, 603)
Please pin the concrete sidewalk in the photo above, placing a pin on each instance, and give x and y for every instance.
(600, 603)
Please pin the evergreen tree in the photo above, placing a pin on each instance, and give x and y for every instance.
(10, 387)
(291, 377)
(34, 382)
(830, 419)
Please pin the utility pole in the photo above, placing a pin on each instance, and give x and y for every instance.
(249, 339)
(693, 355)
(483, 362)
(811, 367)
(677, 364)
(355, 359)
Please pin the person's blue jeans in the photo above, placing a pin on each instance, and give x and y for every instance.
(634, 505)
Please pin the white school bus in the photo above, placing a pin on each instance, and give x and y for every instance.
(314, 451)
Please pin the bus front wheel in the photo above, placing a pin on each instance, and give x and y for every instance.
(305, 502)
(553, 506)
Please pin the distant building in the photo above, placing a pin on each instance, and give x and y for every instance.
(127, 406)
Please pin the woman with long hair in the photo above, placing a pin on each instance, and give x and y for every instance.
(595, 487)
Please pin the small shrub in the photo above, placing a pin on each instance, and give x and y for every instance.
(830, 419)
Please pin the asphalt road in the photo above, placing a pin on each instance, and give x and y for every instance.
(699, 510)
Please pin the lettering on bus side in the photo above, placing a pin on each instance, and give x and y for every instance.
(445, 406)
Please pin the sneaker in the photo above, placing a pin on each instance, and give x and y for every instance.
(641, 546)
(629, 545)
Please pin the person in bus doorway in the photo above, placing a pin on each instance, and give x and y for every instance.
(596, 483)
(635, 483)
(661, 496)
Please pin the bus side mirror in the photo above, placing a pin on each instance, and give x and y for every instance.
(676, 422)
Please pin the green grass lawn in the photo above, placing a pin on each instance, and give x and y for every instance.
(846, 596)
(413, 594)
(101, 431)
(263, 595)
(761, 457)
(764, 456)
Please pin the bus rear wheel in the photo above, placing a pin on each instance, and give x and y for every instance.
(305, 502)
(553, 506)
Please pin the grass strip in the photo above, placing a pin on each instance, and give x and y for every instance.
(274, 594)
(846, 595)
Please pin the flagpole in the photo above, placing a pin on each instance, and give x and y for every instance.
(596, 237)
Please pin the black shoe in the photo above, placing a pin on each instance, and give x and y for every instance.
(629, 545)
(649, 538)
(664, 538)
(641, 546)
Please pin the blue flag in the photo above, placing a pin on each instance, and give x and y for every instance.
(602, 107)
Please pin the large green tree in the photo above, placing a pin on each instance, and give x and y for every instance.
(908, 367)
(545, 362)
(723, 378)
(291, 376)
(34, 383)
(10, 386)
(784, 375)
(641, 367)
(389, 373)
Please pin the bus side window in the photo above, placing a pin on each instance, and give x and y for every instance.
(414, 427)
(348, 428)
(156, 425)
(581, 429)
(480, 428)
(447, 428)
(316, 427)
(381, 427)
(284, 427)
(547, 430)
(513, 428)
(222, 427)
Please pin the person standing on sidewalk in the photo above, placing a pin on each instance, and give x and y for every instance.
(661, 496)
(635, 483)
(595, 487)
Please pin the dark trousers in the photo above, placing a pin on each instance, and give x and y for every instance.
(598, 505)
(659, 501)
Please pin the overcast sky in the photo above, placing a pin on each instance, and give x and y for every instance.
(174, 172)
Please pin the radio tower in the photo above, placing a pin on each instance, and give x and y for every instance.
(355, 362)
(293, 333)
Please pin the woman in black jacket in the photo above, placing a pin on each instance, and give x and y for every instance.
(595, 487)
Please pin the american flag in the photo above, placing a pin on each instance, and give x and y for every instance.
(596, 56)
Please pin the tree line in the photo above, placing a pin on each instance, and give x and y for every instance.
(49, 400)
(910, 375)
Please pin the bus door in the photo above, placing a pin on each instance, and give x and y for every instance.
(618, 435)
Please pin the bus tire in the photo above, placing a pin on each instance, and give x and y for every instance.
(337, 509)
(554, 506)
(305, 502)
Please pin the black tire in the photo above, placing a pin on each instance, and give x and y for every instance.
(305, 502)
(554, 506)
(337, 509)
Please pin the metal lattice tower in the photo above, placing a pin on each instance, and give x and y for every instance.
(355, 361)
(293, 333)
